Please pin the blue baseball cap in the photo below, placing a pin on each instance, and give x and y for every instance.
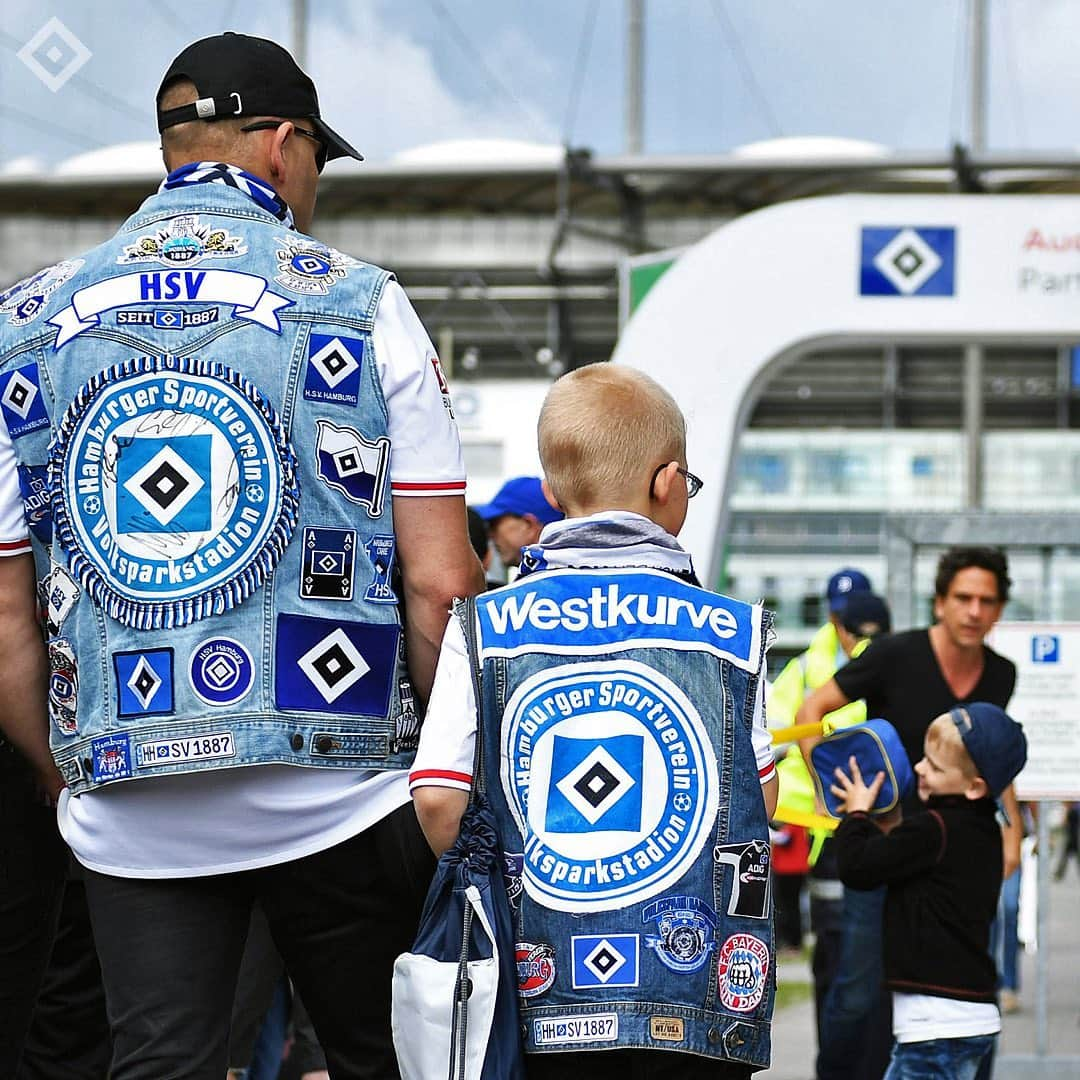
(520, 496)
(995, 742)
(842, 584)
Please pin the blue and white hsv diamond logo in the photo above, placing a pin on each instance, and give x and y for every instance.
(63, 687)
(612, 780)
(21, 401)
(908, 261)
(25, 300)
(329, 563)
(306, 266)
(352, 464)
(685, 932)
(604, 960)
(333, 369)
(144, 682)
(174, 490)
(221, 671)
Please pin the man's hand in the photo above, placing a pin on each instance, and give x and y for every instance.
(852, 792)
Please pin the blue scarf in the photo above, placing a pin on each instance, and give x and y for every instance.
(215, 172)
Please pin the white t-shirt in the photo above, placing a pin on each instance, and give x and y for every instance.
(217, 822)
(448, 737)
(922, 1017)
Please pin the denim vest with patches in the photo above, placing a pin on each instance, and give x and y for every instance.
(617, 710)
(203, 455)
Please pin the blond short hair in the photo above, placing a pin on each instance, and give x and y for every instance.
(602, 430)
(944, 735)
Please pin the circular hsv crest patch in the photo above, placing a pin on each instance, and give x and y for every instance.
(742, 972)
(173, 489)
(221, 671)
(610, 774)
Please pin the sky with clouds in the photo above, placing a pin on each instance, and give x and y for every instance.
(394, 74)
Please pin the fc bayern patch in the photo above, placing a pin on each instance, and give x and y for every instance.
(34, 489)
(334, 667)
(63, 687)
(329, 563)
(352, 464)
(535, 968)
(751, 881)
(221, 671)
(685, 932)
(742, 972)
(173, 490)
(144, 682)
(604, 960)
(21, 401)
(111, 757)
(609, 771)
(333, 369)
(380, 551)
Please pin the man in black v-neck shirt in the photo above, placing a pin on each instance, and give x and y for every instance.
(909, 679)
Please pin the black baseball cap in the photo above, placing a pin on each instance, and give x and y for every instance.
(239, 75)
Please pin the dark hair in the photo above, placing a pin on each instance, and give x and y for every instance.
(984, 558)
(478, 533)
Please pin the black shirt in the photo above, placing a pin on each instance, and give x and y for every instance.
(901, 681)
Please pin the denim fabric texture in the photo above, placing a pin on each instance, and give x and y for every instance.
(940, 1059)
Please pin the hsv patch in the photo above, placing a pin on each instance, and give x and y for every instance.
(750, 889)
(174, 490)
(34, 489)
(184, 241)
(111, 757)
(305, 266)
(576, 1029)
(22, 402)
(144, 682)
(174, 751)
(380, 551)
(335, 667)
(685, 929)
(535, 968)
(513, 864)
(611, 777)
(63, 687)
(742, 972)
(333, 369)
(26, 299)
(58, 592)
(353, 465)
(167, 318)
(221, 671)
(908, 261)
(329, 563)
(609, 960)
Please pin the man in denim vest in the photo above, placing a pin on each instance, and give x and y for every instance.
(243, 505)
(627, 760)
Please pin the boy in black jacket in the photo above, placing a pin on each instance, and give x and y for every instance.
(943, 872)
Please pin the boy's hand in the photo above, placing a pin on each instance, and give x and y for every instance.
(852, 792)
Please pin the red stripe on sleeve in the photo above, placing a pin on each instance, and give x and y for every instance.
(439, 774)
(448, 485)
(14, 547)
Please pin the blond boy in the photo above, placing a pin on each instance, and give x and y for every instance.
(626, 759)
(942, 868)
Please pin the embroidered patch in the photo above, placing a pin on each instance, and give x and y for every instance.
(333, 369)
(34, 489)
(22, 402)
(604, 960)
(167, 318)
(685, 929)
(444, 387)
(221, 671)
(750, 890)
(513, 864)
(249, 295)
(25, 300)
(579, 1028)
(594, 758)
(535, 968)
(322, 663)
(306, 266)
(58, 591)
(407, 724)
(184, 241)
(667, 1028)
(329, 563)
(380, 550)
(173, 489)
(144, 682)
(63, 687)
(220, 744)
(352, 464)
(742, 972)
(111, 757)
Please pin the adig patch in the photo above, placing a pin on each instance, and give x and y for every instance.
(329, 563)
(22, 402)
(685, 929)
(535, 968)
(34, 489)
(333, 369)
(750, 889)
(25, 300)
(353, 465)
(311, 268)
(184, 241)
(380, 551)
(221, 671)
(174, 490)
(336, 667)
(742, 972)
(63, 687)
(111, 756)
(144, 682)
(594, 758)
(604, 960)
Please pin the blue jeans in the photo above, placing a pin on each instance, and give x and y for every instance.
(1004, 942)
(857, 992)
(940, 1059)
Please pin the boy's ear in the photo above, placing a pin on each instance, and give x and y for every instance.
(545, 487)
(661, 489)
(977, 789)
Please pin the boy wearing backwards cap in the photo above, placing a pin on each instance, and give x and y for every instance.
(943, 872)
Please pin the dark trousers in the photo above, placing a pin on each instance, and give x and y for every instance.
(631, 1065)
(170, 952)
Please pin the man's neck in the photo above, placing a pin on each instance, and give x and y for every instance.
(961, 665)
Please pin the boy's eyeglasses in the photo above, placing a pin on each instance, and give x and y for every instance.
(693, 483)
(268, 125)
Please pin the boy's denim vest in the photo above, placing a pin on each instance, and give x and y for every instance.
(202, 449)
(630, 810)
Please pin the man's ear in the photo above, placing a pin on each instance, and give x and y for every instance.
(977, 789)
(277, 150)
(545, 487)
